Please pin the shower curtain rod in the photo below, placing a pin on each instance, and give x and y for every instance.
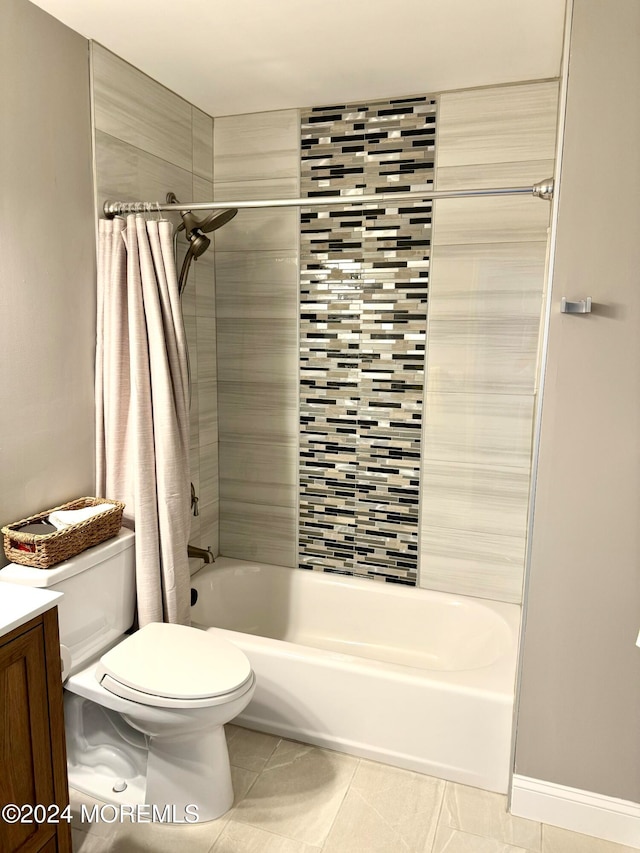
(542, 189)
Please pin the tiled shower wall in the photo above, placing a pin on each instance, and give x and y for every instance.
(485, 300)
(485, 303)
(257, 156)
(485, 297)
(149, 141)
(363, 312)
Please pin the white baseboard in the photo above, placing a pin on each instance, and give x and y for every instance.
(580, 811)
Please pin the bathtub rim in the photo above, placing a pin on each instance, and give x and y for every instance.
(496, 679)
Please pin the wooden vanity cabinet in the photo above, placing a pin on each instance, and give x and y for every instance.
(33, 765)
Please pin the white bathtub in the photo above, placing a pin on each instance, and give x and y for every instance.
(413, 678)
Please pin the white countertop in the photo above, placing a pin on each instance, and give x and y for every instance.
(19, 603)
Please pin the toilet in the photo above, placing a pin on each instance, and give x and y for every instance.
(144, 712)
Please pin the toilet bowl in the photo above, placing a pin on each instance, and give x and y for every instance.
(144, 713)
(177, 686)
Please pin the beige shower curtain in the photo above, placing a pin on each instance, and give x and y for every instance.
(142, 409)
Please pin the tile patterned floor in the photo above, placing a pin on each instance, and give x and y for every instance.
(294, 798)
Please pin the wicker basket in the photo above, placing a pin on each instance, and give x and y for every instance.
(43, 552)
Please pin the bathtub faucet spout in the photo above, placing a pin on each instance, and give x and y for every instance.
(207, 556)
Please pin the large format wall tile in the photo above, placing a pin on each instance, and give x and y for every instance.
(485, 302)
(258, 473)
(498, 124)
(466, 562)
(475, 489)
(496, 355)
(208, 411)
(256, 350)
(192, 348)
(257, 145)
(252, 531)
(188, 300)
(485, 298)
(201, 286)
(257, 285)
(206, 348)
(200, 295)
(256, 303)
(259, 412)
(265, 229)
(126, 173)
(517, 173)
(209, 527)
(209, 504)
(484, 317)
(209, 473)
(202, 144)
(261, 189)
(490, 220)
(484, 429)
(138, 110)
(150, 142)
(482, 498)
(489, 279)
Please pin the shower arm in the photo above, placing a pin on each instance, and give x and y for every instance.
(541, 189)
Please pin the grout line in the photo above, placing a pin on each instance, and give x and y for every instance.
(148, 154)
(267, 832)
(383, 819)
(543, 827)
(344, 797)
(439, 818)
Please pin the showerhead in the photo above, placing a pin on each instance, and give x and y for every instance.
(214, 220)
(198, 244)
(195, 230)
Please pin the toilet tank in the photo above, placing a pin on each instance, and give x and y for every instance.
(99, 589)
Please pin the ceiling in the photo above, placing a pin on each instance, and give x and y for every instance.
(253, 55)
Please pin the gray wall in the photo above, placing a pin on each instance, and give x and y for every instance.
(47, 264)
(579, 722)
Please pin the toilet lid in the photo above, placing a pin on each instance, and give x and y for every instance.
(177, 662)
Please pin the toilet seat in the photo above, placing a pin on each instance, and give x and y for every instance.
(174, 666)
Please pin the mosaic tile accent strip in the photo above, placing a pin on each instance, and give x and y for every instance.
(363, 313)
